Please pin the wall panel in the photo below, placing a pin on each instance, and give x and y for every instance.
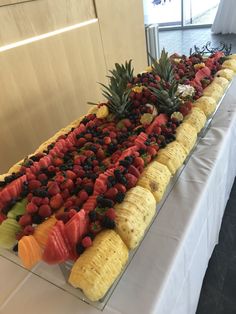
(122, 30)
(44, 86)
(33, 18)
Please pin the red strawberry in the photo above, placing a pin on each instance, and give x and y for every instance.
(53, 188)
(120, 187)
(131, 180)
(56, 201)
(184, 110)
(95, 227)
(81, 142)
(58, 162)
(87, 242)
(133, 170)
(111, 193)
(68, 184)
(31, 208)
(45, 201)
(25, 220)
(70, 174)
(42, 177)
(151, 151)
(63, 216)
(107, 140)
(45, 211)
(34, 184)
(28, 230)
(83, 196)
(111, 213)
(138, 161)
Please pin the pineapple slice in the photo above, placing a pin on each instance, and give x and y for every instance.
(134, 215)
(187, 136)
(155, 178)
(98, 267)
(206, 104)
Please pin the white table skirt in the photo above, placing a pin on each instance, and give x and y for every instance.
(166, 274)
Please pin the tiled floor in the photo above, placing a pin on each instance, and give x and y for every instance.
(181, 41)
(218, 294)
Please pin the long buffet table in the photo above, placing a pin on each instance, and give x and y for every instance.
(166, 274)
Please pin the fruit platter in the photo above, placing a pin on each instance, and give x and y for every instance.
(86, 197)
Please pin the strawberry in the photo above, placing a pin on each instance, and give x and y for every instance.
(63, 216)
(87, 242)
(72, 212)
(30, 176)
(58, 162)
(42, 177)
(25, 220)
(45, 201)
(184, 110)
(151, 151)
(120, 187)
(28, 230)
(133, 170)
(131, 180)
(68, 184)
(31, 208)
(111, 213)
(34, 184)
(53, 188)
(56, 201)
(107, 140)
(83, 196)
(138, 161)
(95, 227)
(111, 193)
(45, 211)
(81, 142)
(70, 174)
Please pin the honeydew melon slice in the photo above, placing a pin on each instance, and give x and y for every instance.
(18, 209)
(8, 230)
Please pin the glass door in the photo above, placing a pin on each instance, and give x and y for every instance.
(163, 12)
(180, 13)
(199, 12)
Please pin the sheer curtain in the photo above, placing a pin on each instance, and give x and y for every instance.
(225, 20)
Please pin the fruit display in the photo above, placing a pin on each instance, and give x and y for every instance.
(89, 193)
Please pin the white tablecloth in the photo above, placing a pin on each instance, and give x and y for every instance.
(166, 274)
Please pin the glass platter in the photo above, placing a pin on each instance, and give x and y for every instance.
(58, 274)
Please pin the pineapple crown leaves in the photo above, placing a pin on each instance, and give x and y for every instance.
(167, 102)
(117, 92)
(163, 68)
(123, 72)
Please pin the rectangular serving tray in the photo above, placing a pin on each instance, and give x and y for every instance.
(58, 275)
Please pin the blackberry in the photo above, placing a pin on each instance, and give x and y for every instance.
(93, 148)
(35, 158)
(51, 146)
(15, 248)
(130, 159)
(2, 184)
(18, 217)
(124, 163)
(36, 219)
(89, 189)
(142, 151)
(40, 193)
(76, 190)
(92, 216)
(120, 197)
(89, 234)
(108, 223)
(79, 248)
(122, 179)
(105, 202)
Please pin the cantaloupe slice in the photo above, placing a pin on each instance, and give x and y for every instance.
(29, 251)
(42, 231)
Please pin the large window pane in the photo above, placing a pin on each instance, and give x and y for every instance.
(167, 13)
(197, 12)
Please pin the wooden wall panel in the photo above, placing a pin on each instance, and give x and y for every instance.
(44, 86)
(28, 19)
(122, 30)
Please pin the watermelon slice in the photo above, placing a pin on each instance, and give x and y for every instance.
(75, 229)
(128, 152)
(159, 120)
(12, 190)
(100, 185)
(57, 249)
(202, 73)
(91, 203)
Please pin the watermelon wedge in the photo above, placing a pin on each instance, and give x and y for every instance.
(75, 229)
(57, 249)
(159, 120)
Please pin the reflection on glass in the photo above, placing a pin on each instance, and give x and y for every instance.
(200, 11)
(166, 13)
